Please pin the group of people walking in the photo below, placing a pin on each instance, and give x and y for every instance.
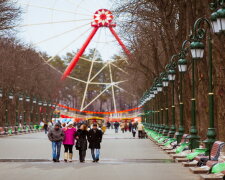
(131, 127)
(70, 136)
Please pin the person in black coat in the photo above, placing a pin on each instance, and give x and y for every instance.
(81, 144)
(95, 139)
(116, 125)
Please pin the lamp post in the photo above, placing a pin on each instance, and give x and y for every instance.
(159, 86)
(10, 96)
(165, 81)
(34, 102)
(182, 67)
(197, 49)
(27, 100)
(171, 77)
(39, 104)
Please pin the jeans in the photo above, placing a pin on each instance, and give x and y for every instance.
(95, 154)
(116, 130)
(46, 130)
(56, 147)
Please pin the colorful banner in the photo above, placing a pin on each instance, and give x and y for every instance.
(93, 112)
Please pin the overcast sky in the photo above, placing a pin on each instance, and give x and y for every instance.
(59, 38)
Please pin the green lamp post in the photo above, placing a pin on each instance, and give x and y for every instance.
(159, 87)
(171, 77)
(39, 113)
(27, 101)
(182, 67)
(10, 96)
(165, 82)
(197, 51)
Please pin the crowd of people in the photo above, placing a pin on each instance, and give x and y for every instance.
(132, 127)
(83, 137)
(77, 135)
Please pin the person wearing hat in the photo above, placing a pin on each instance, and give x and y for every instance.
(68, 141)
(94, 139)
(56, 136)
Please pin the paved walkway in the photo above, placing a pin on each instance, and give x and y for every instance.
(122, 158)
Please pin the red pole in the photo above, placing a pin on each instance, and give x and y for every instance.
(79, 54)
(120, 42)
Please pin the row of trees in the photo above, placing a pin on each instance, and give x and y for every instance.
(154, 30)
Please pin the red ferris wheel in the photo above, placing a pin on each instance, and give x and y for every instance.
(102, 18)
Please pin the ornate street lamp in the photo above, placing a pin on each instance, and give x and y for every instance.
(159, 87)
(154, 89)
(172, 76)
(199, 34)
(214, 23)
(40, 103)
(197, 49)
(1, 93)
(34, 101)
(182, 67)
(27, 99)
(221, 19)
(165, 82)
(11, 96)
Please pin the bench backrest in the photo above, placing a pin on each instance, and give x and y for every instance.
(216, 149)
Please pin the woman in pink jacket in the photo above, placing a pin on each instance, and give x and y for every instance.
(68, 141)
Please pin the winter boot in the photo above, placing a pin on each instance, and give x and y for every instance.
(70, 157)
(65, 157)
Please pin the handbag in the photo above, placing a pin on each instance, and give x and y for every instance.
(78, 145)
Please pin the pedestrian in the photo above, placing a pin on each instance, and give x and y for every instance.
(116, 125)
(130, 126)
(68, 141)
(122, 126)
(95, 139)
(56, 136)
(108, 125)
(140, 128)
(112, 125)
(50, 125)
(133, 132)
(135, 125)
(125, 126)
(45, 127)
(81, 144)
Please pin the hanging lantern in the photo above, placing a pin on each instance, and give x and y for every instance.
(182, 65)
(221, 19)
(34, 101)
(155, 90)
(214, 22)
(197, 49)
(165, 82)
(159, 87)
(11, 95)
(171, 75)
(1, 93)
(21, 97)
(27, 99)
